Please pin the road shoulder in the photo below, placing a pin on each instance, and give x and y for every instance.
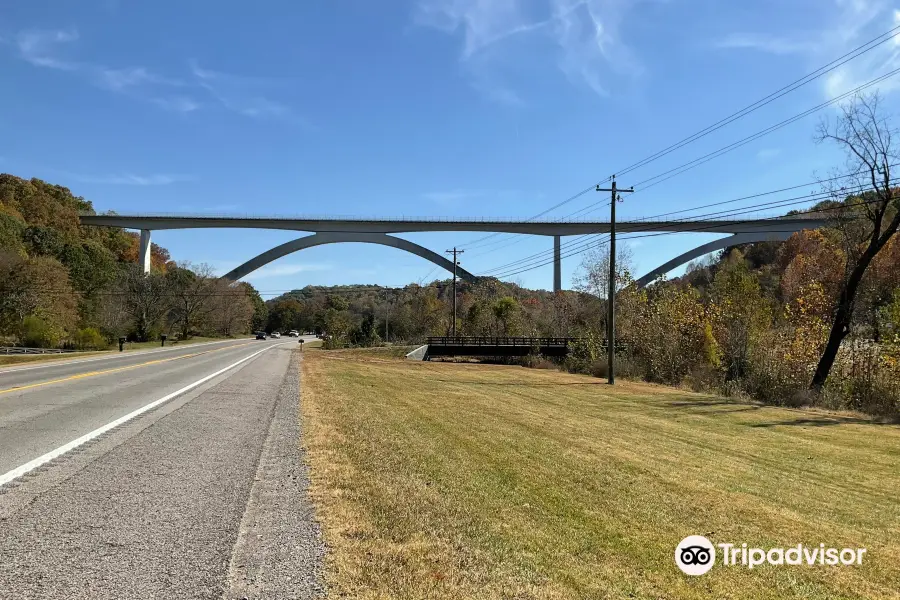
(279, 550)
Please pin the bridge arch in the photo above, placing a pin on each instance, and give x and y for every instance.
(337, 237)
(720, 244)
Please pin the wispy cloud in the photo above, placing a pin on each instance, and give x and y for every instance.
(49, 49)
(849, 24)
(244, 95)
(120, 79)
(277, 269)
(283, 269)
(768, 154)
(767, 43)
(483, 22)
(182, 104)
(39, 47)
(130, 179)
(584, 33)
(457, 196)
(451, 197)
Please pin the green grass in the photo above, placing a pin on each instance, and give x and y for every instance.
(439, 480)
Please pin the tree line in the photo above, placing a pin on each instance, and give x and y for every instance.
(814, 320)
(64, 285)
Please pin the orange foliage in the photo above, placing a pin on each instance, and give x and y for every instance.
(159, 257)
(808, 256)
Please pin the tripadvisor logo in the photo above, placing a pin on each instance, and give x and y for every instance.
(695, 555)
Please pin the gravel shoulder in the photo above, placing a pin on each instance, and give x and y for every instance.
(279, 551)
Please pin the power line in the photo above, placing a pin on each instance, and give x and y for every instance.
(703, 217)
(774, 204)
(674, 172)
(596, 244)
(808, 78)
(740, 210)
(475, 243)
(706, 158)
(693, 230)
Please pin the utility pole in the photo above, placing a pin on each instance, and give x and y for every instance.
(387, 317)
(611, 284)
(454, 252)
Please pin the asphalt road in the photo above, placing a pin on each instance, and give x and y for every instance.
(173, 473)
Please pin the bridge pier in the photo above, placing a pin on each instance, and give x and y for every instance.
(557, 265)
(145, 250)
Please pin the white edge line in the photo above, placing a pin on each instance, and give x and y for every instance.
(60, 363)
(37, 462)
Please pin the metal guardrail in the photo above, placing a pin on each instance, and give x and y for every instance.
(18, 350)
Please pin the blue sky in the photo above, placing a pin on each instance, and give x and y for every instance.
(450, 108)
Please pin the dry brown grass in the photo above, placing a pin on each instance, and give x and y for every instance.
(478, 481)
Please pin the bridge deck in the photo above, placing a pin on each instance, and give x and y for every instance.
(410, 225)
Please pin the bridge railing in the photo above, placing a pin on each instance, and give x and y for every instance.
(511, 341)
(498, 341)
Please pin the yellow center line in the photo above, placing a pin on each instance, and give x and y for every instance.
(116, 370)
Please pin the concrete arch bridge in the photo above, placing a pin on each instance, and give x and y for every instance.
(382, 232)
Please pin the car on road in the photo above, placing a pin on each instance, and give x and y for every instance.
(294, 333)
(275, 335)
(260, 335)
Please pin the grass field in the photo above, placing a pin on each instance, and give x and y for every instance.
(474, 481)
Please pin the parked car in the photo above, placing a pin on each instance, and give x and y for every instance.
(260, 335)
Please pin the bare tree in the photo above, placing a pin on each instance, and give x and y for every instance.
(867, 220)
(192, 291)
(144, 299)
(231, 308)
(593, 276)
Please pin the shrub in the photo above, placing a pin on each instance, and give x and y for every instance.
(866, 378)
(89, 339)
(703, 377)
(537, 361)
(39, 333)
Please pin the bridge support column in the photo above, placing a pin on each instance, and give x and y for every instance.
(145, 250)
(557, 265)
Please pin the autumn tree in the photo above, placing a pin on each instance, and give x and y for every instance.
(338, 322)
(669, 335)
(284, 315)
(144, 299)
(867, 221)
(37, 302)
(260, 309)
(191, 290)
(506, 311)
(593, 276)
(738, 313)
(478, 320)
(231, 309)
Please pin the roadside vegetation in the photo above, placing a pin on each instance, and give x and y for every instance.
(64, 285)
(441, 480)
